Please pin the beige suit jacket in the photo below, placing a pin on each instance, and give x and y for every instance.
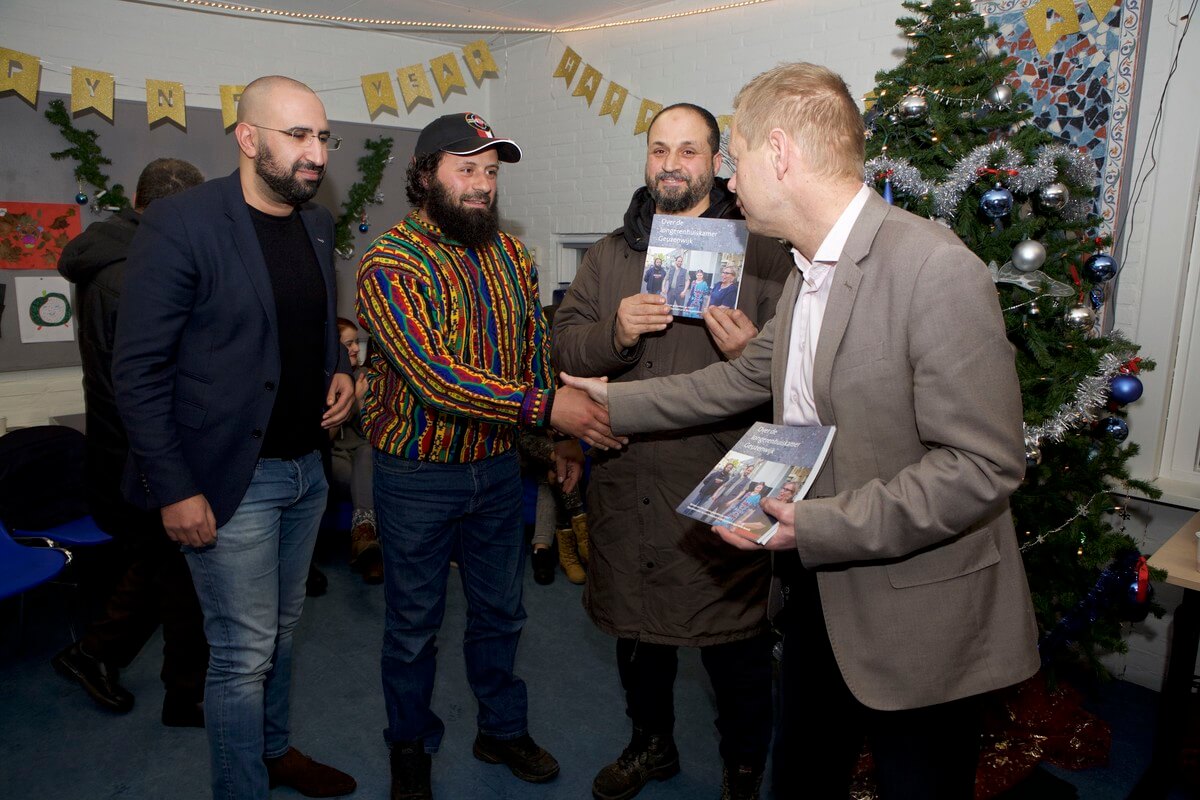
(907, 525)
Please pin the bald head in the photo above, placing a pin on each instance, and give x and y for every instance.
(282, 158)
(260, 93)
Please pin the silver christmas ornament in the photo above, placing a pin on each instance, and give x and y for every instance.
(1080, 318)
(1029, 255)
(1034, 310)
(1055, 196)
(913, 107)
(1000, 95)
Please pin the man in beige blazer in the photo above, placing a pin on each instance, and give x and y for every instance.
(906, 596)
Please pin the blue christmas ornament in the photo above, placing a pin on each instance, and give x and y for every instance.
(1100, 267)
(1115, 427)
(887, 190)
(1125, 388)
(81, 198)
(363, 227)
(996, 203)
(1096, 296)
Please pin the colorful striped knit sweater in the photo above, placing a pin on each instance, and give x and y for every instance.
(460, 352)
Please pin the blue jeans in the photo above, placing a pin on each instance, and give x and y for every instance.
(250, 582)
(428, 514)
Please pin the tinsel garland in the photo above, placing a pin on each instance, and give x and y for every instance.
(1090, 395)
(1026, 178)
(89, 159)
(364, 191)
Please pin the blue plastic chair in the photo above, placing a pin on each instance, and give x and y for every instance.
(81, 532)
(22, 568)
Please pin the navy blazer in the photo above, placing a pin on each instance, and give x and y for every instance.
(196, 362)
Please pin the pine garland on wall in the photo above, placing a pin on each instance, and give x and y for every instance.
(363, 193)
(89, 159)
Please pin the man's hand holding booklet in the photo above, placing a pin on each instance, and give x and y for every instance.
(770, 462)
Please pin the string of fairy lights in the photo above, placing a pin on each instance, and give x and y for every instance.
(383, 22)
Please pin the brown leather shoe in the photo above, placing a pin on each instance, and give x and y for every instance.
(308, 777)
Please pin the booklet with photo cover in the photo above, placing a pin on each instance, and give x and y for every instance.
(695, 262)
(770, 461)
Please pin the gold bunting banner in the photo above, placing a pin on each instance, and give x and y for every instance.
(379, 94)
(414, 86)
(92, 89)
(588, 84)
(479, 60)
(230, 95)
(568, 65)
(646, 113)
(165, 100)
(614, 101)
(1049, 21)
(20, 73)
(447, 75)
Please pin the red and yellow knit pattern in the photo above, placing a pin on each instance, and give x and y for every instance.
(460, 353)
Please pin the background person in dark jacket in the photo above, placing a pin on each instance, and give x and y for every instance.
(155, 586)
(656, 579)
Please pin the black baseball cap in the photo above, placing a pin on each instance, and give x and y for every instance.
(463, 135)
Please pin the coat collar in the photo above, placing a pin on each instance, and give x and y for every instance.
(246, 241)
(847, 276)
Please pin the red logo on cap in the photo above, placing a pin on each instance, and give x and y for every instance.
(476, 122)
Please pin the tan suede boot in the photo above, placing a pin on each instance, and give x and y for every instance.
(583, 542)
(568, 558)
(365, 555)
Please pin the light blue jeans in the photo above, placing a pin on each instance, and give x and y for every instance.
(251, 587)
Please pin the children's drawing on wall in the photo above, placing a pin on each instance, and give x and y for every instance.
(33, 235)
(44, 309)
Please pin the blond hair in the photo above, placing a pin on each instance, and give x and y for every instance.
(813, 105)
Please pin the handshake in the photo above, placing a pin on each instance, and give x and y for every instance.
(581, 410)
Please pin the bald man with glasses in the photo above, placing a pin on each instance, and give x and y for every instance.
(228, 371)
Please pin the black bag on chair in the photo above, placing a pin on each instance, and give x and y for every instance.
(42, 480)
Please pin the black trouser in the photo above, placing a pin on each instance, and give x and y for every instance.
(927, 753)
(155, 587)
(741, 679)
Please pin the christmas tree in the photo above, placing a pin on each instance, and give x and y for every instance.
(948, 138)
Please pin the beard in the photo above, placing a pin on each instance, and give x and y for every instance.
(674, 201)
(284, 182)
(470, 226)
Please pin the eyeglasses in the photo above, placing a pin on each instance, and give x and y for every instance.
(303, 136)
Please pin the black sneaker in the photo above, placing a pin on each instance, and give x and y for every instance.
(649, 755)
(411, 766)
(543, 565)
(98, 679)
(521, 755)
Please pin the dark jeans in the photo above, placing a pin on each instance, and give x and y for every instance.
(427, 515)
(154, 587)
(741, 679)
(922, 753)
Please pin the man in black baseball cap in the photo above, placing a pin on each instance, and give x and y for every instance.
(464, 135)
(460, 364)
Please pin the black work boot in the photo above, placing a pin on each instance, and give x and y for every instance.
(521, 755)
(741, 782)
(411, 766)
(649, 755)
